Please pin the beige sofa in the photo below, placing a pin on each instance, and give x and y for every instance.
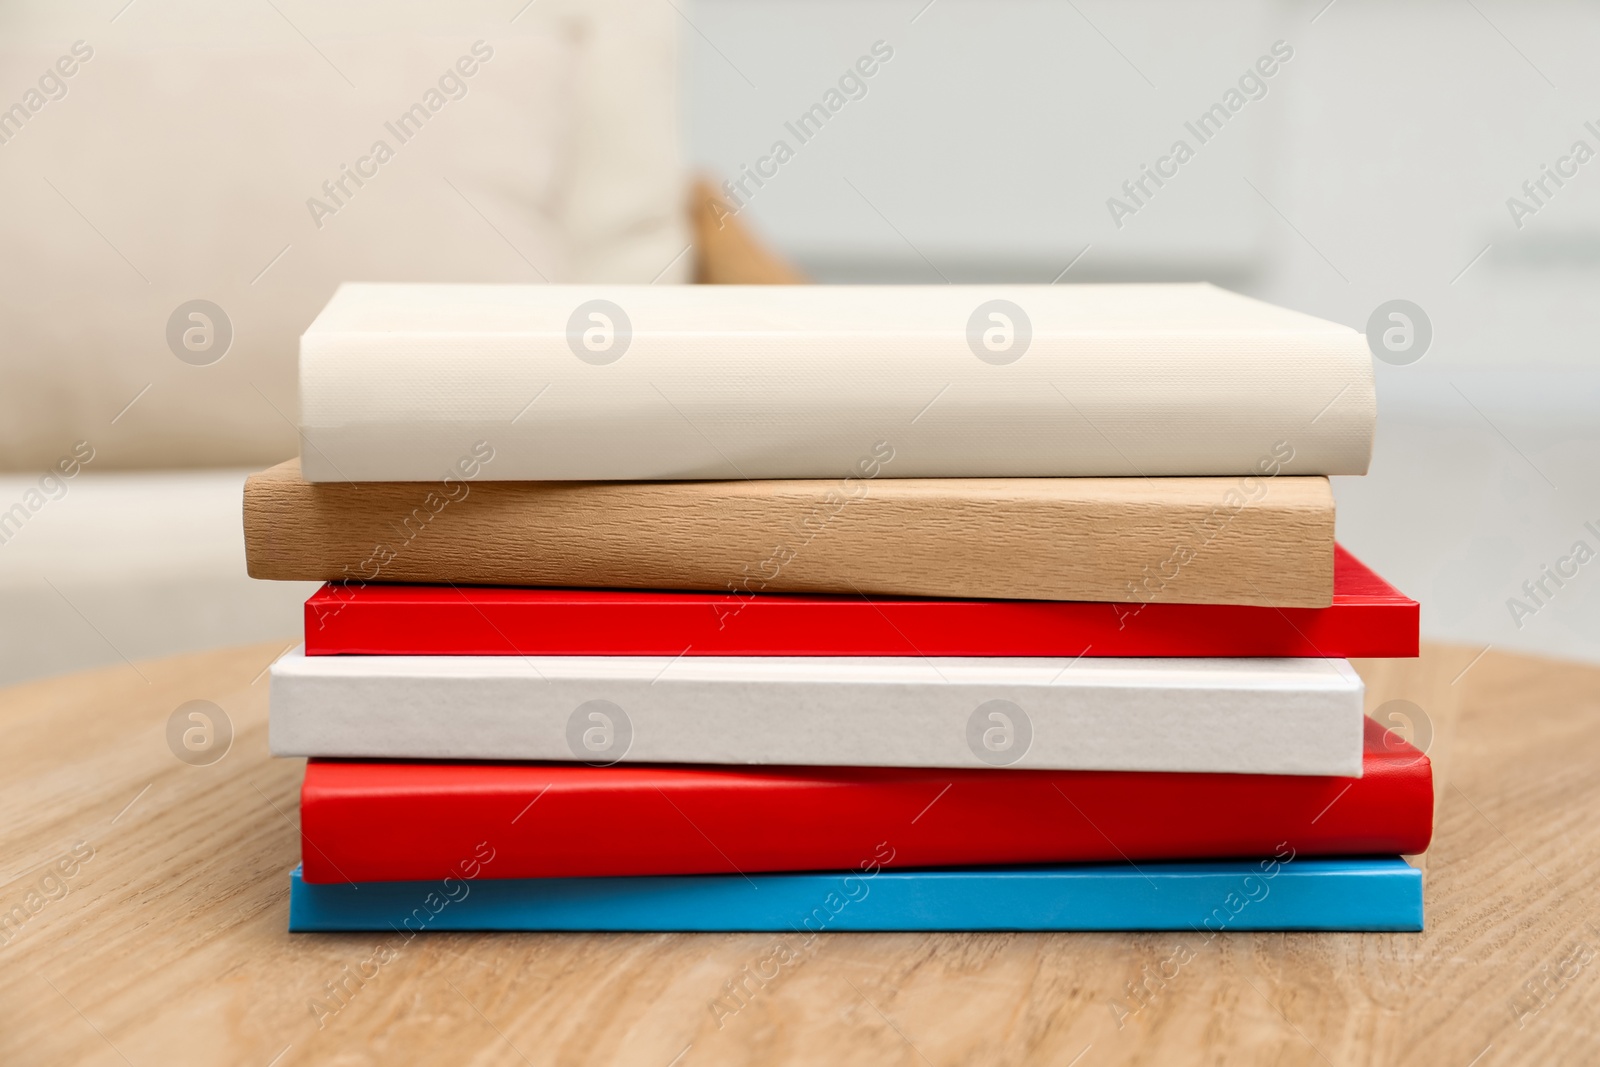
(201, 154)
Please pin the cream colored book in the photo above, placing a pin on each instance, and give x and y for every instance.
(1252, 540)
(640, 383)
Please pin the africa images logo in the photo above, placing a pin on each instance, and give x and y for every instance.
(599, 332)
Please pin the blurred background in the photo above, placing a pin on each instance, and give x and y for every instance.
(227, 153)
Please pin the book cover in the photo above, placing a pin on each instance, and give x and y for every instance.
(1251, 716)
(1281, 892)
(635, 383)
(1368, 618)
(1265, 541)
(397, 822)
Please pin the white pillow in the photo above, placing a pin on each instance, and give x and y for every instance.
(254, 157)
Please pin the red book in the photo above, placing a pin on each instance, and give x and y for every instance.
(364, 822)
(1368, 617)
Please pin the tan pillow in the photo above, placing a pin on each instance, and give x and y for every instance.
(221, 154)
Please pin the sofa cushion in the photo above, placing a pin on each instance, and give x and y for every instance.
(186, 198)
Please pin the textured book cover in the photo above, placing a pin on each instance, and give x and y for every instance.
(1368, 618)
(632, 383)
(1251, 716)
(1260, 540)
(397, 822)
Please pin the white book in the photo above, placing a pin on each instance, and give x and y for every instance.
(638, 383)
(1250, 716)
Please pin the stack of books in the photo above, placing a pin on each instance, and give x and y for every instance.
(809, 609)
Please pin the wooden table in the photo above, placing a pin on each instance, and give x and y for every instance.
(168, 944)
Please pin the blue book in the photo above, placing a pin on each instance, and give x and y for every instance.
(1383, 893)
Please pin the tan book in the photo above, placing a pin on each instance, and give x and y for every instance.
(1253, 540)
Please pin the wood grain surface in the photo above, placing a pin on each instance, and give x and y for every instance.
(1149, 540)
(726, 251)
(168, 944)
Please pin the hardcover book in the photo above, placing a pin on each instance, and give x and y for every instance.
(634, 383)
(399, 822)
(1263, 541)
(1250, 716)
(1368, 618)
(1280, 892)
